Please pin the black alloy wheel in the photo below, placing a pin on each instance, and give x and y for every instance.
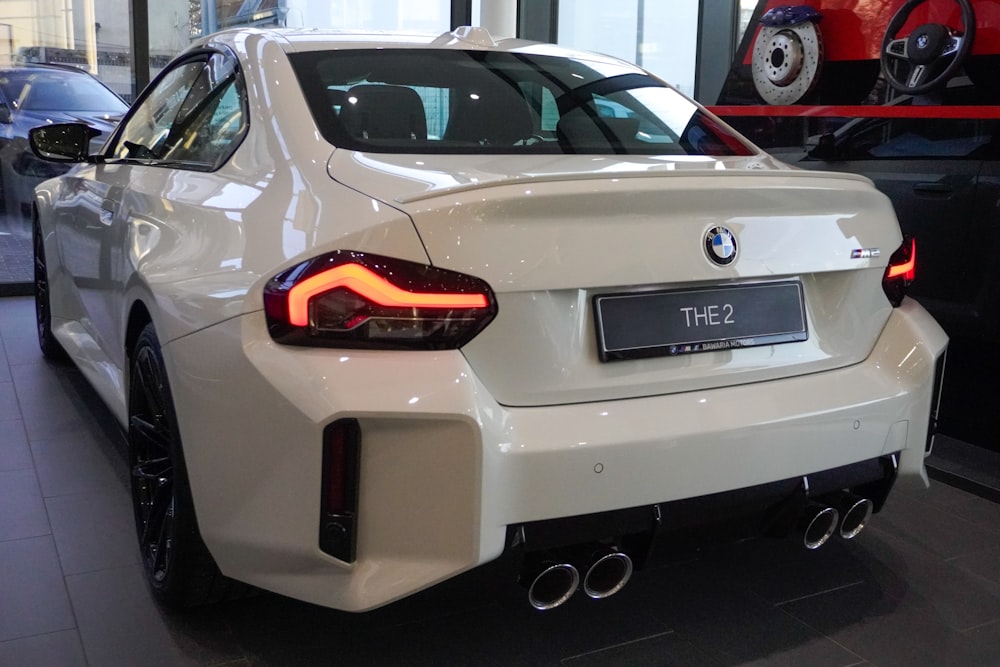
(178, 566)
(51, 349)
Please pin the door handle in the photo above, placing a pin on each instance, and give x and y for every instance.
(934, 189)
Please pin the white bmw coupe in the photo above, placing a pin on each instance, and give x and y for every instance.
(377, 310)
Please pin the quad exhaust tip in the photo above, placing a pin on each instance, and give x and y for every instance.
(608, 574)
(856, 511)
(849, 515)
(818, 523)
(554, 584)
(553, 580)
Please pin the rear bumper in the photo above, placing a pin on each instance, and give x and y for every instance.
(446, 471)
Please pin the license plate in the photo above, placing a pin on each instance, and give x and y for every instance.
(650, 324)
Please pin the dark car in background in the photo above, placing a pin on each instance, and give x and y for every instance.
(36, 95)
(940, 166)
(938, 160)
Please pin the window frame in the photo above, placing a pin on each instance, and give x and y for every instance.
(203, 57)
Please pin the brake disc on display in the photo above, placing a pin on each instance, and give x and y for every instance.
(787, 54)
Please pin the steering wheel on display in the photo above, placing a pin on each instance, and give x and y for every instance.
(931, 54)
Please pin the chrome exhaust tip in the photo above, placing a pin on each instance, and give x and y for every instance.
(856, 511)
(607, 574)
(817, 524)
(553, 585)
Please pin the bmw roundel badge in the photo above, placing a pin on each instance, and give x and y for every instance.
(720, 246)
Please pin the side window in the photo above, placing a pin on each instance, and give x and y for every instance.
(145, 130)
(195, 115)
(212, 130)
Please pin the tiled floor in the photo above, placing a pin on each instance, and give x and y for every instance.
(921, 586)
(15, 252)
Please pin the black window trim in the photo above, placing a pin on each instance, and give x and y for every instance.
(202, 55)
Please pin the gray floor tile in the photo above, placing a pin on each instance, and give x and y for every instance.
(22, 511)
(23, 351)
(987, 631)
(888, 627)
(56, 649)
(958, 599)
(18, 316)
(767, 637)
(119, 623)
(14, 452)
(985, 564)
(73, 464)
(5, 375)
(665, 649)
(985, 515)
(710, 604)
(937, 494)
(777, 571)
(9, 409)
(939, 531)
(47, 408)
(34, 593)
(985, 645)
(93, 531)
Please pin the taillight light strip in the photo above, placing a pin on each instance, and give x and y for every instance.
(906, 269)
(372, 287)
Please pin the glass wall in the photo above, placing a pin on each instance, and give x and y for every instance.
(410, 15)
(89, 34)
(90, 40)
(747, 8)
(660, 36)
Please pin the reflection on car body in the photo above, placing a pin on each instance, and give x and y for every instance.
(376, 310)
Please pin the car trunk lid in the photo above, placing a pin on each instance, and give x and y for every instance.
(553, 235)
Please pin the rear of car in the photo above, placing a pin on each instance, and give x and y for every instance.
(446, 301)
(668, 323)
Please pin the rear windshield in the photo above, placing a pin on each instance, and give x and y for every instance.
(447, 101)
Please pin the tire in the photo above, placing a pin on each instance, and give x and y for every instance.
(51, 349)
(178, 566)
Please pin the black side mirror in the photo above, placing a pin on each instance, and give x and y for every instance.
(825, 148)
(62, 142)
(5, 116)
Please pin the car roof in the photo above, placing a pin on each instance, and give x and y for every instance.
(463, 38)
(41, 67)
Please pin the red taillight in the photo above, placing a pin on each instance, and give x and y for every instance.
(357, 300)
(372, 287)
(901, 271)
